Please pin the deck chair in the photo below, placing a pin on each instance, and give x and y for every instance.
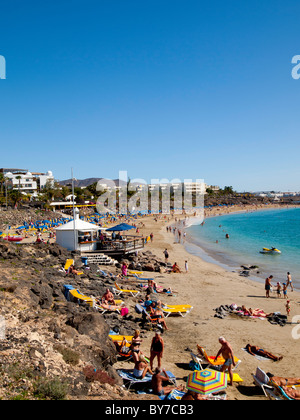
(118, 339)
(198, 366)
(210, 360)
(78, 297)
(130, 380)
(182, 310)
(104, 310)
(262, 380)
(68, 264)
(135, 273)
(119, 291)
(153, 323)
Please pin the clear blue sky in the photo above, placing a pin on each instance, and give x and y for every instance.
(160, 88)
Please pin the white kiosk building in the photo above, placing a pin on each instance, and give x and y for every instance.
(77, 235)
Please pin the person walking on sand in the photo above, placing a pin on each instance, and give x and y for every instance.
(289, 281)
(166, 255)
(268, 286)
(186, 267)
(227, 353)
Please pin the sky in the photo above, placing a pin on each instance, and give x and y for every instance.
(158, 88)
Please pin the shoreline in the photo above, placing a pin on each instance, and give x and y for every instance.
(207, 286)
(224, 260)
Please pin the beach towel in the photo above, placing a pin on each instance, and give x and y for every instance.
(256, 355)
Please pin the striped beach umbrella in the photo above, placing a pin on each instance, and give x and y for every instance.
(206, 381)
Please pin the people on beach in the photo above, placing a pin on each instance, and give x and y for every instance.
(135, 345)
(124, 269)
(255, 350)
(227, 354)
(156, 350)
(186, 267)
(288, 308)
(123, 348)
(278, 290)
(175, 268)
(268, 286)
(166, 254)
(285, 295)
(289, 281)
(160, 376)
(141, 368)
(108, 298)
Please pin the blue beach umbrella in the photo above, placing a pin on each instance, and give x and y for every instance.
(120, 228)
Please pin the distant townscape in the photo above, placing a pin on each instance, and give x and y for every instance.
(25, 187)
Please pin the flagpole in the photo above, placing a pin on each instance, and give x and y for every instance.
(75, 244)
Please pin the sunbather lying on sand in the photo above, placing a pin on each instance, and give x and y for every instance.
(254, 312)
(254, 350)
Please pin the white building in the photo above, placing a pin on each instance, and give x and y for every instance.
(27, 182)
(77, 235)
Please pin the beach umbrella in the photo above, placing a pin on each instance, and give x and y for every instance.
(120, 228)
(206, 381)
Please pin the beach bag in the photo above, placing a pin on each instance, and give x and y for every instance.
(194, 366)
(124, 311)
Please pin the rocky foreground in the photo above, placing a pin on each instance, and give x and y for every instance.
(51, 348)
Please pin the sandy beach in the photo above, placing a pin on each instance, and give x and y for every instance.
(207, 286)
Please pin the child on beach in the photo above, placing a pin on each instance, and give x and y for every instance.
(278, 290)
(186, 266)
(288, 308)
(285, 291)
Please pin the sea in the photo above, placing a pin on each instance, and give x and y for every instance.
(248, 233)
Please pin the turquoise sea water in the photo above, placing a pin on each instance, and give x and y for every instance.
(248, 234)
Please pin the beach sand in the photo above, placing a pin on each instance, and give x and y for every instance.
(207, 286)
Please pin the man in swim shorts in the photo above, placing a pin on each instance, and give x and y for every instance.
(227, 354)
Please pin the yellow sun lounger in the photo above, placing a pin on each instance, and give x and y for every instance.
(139, 273)
(68, 264)
(176, 310)
(211, 359)
(82, 298)
(118, 291)
(119, 338)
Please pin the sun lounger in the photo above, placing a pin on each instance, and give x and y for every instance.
(211, 359)
(74, 295)
(109, 309)
(119, 291)
(182, 310)
(78, 297)
(198, 366)
(68, 264)
(130, 380)
(262, 380)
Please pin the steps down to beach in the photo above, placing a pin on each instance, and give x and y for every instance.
(98, 258)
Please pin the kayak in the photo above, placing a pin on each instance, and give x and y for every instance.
(13, 238)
